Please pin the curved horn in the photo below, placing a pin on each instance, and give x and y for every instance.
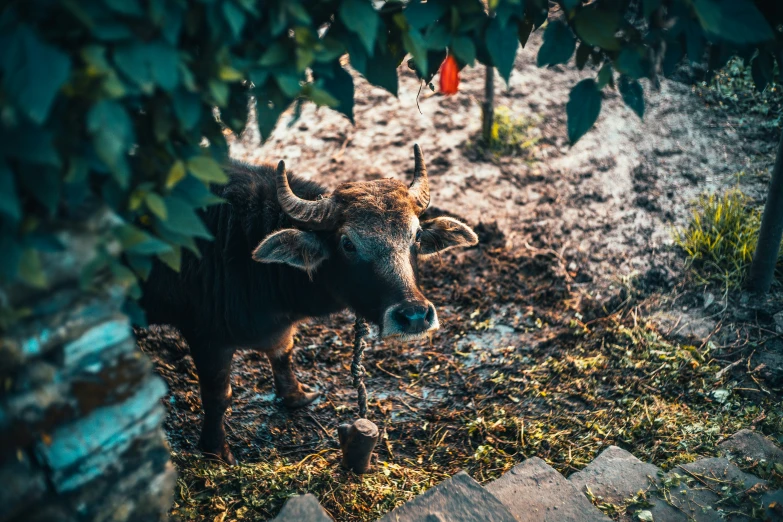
(317, 215)
(419, 190)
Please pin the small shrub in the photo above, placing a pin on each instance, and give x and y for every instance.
(511, 136)
(721, 238)
(734, 88)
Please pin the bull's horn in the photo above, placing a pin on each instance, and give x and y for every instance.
(419, 190)
(319, 215)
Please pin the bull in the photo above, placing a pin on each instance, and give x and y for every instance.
(285, 251)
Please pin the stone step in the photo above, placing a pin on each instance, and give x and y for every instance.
(458, 499)
(534, 492)
(750, 447)
(711, 486)
(304, 508)
(617, 476)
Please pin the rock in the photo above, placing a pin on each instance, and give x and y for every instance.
(616, 475)
(707, 479)
(772, 361)
(458, 499)
(772, 502)
(778, 318)
(303, 508)
(749, 445)
(534, 492)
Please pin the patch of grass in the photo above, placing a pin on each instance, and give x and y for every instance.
(213, 492)
(511, 136)
(721, 238)
(732, 88)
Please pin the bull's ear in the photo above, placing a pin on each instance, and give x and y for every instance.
(443, 233)
(303, 250)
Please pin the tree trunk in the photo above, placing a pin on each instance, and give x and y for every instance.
(488, 107)
(80, 411)
(762, 270)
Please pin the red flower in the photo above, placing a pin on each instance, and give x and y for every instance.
(449, 76)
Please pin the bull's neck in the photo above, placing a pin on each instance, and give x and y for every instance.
(302, 295)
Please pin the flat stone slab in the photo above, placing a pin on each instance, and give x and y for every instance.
(458, 499)
(304, 508)
(752, 446)
(616, 475)
(772, 501)
(534, 492)
(709, 481)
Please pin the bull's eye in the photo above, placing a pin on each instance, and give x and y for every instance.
(418, 236)
(348, 245)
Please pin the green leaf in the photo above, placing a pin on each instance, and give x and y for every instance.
(173, 258)
(605, 76)
(415, 44)
(234, 17)
(464, 50)
(32, 72)
(275, 54)
(382, 71)
(136, 241)
(9, 200)
(737, 21)
(360, 17)
(187, 108)
(598, 27)
(420, 15)
(207, 170)
(502, 46)
(112, 135)
(196, 193)
(633, 94)
(156, 205)
(31, 270)
(140, 264)
(219, 91)
(523, 32)
(340, 86)
(176, 174)
(630, 63)
(582, 55)
(582, 109)
(148, 64)
(437, 37)
(184, 220)
(126, 7)
(569, 5)
(320, 97)
(558, 46)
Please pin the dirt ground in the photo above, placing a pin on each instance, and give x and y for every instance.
(573, 325)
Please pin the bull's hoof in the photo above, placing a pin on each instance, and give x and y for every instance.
(300, 398)
(222, 454)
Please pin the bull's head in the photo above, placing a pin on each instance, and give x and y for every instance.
(364, 241)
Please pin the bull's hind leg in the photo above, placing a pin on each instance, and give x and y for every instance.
(214, 375)
(293, 393)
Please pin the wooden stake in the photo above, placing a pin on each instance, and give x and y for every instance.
(357, 441)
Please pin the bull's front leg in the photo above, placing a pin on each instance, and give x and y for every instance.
(214, 375)
(293, 393)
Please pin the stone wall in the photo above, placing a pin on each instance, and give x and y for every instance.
(80, 410)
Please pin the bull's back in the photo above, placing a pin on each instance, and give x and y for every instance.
(223, 294)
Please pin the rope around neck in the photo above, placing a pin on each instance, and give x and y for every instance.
(360, 331)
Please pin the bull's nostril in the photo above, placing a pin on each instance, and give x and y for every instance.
(413, 317)
(430, 314)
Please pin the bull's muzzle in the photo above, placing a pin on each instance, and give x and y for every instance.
(409, 320)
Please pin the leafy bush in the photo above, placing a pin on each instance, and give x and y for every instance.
(721, 238)
(741, 88)
(510, 136)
